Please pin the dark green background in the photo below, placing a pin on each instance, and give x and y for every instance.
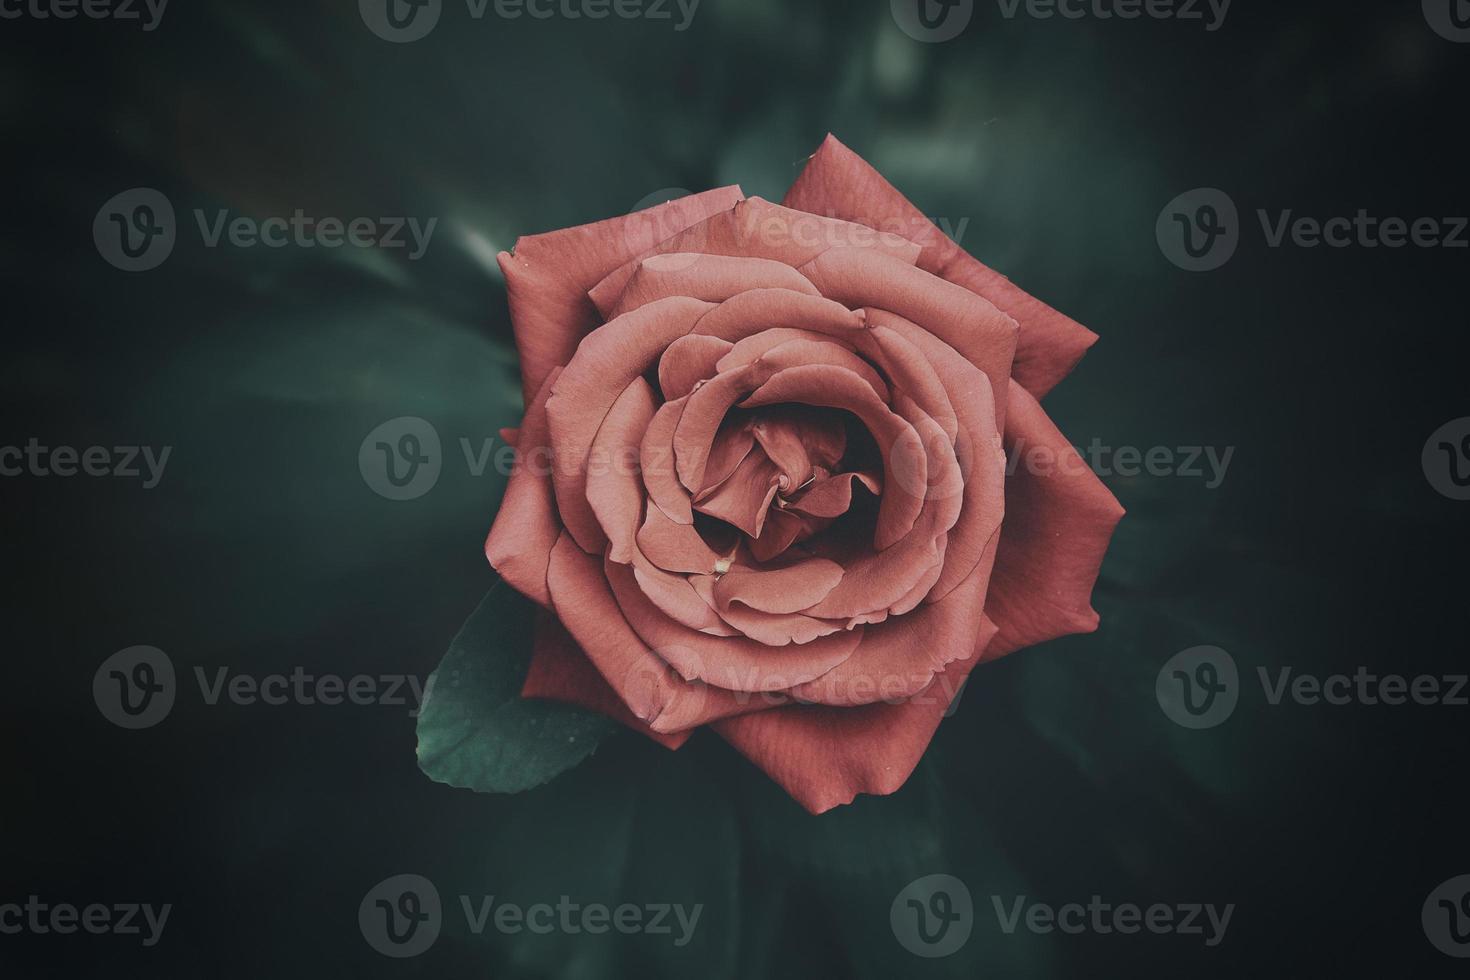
(1058, 778)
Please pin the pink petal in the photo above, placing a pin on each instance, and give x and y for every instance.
(713, 278)
(547, 276)
(560, 671)
(605, 363)
(838, 181)
(642, 679)
(613, 486)
(824, 757)
(1059, 519)
(761, 229)
(527, 525)
(734, 663)
(779, 590)
(688, 361)
(953, 314)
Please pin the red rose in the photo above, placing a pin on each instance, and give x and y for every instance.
(761, 480)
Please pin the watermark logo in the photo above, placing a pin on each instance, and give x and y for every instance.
(932, 21)
(401, 459)
(401, 915)
(1198, 687)
(932, 916)
(1450, 19)
(400, 21)
(1446, 459)
(1446, 917)
(1199, 230)
(135, 230)
(1103, 918)
(135, 688)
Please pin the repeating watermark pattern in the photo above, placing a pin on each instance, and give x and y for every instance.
(1446, 917)
(404, 21)
(1200, 230)
(136, 688)
(1450, 19)
(644, 228)
(401, 459)
(1207, 463)
(934, 21)
(403, 915)
(1200, 687)
(41, 918)
(34, 459)
(1210, 13)
(1446, 459)
(146, 13)
(1105, 918)
(136, 230)
(932, 916)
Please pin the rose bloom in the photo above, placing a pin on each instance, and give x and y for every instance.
(761, 481)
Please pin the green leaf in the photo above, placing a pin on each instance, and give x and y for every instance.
(475, 731)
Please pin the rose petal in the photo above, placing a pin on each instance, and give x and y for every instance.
(734, 663)
(713, 278)
(772, 629)
(560, 671)
(825, 757)
(607, 360)
(547, 276)
(758, 228)
(527, 525)
(1059, 519)
(778, 590)
(613, 487)
(656, 464)
(688, 361)
(900, 656)
(838, 181)
(675, 547)
(643, 679)
(965, 321)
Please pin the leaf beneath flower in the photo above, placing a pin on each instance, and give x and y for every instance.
(475, 731)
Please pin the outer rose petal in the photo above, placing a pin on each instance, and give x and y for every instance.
(645, 682)
(527, 526)
(1059, 519)
(547, 276)
(825, 756)
(838, 182)
(560, 671)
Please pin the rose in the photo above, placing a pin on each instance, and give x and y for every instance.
(760, 484)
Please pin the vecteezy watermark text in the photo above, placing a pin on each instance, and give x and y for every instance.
(1200, 230)
(1105, 918)
(402, 916)
(402, 21)
(41, 918)
(1200, 688)
(148, 13)
(136, 230)
(136, 688)
(122, 462)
